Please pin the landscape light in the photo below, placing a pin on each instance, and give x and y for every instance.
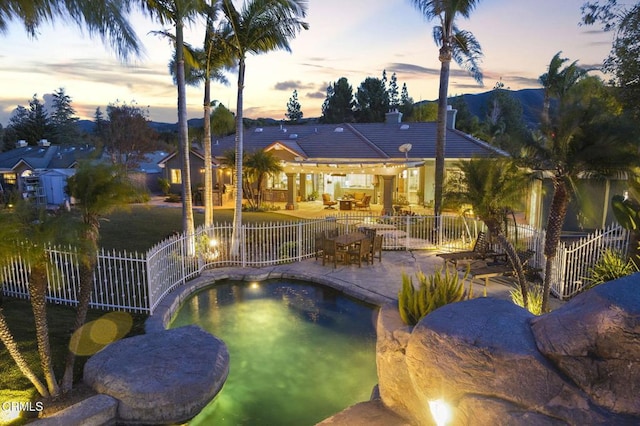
(440, 411)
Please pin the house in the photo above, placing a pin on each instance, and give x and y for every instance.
(391, 161)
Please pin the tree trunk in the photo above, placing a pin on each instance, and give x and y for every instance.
(206, 144)
(84, 298)
(187, 203)
(12, 347)
(512, 254)
(557, 214)
(37, 293)
(237, 214)
(441, 133)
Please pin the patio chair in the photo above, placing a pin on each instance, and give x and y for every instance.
(364, 203)
(376, 248)
(480, 251)
(331, 253)
(327, 202)
(360, 251)
(319, 243)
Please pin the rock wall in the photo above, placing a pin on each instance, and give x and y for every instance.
(495, 363)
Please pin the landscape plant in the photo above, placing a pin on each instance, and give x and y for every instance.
(610, 266)
(433, 292)
(534, 301)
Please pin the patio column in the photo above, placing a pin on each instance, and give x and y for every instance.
(388, 186)
(303, 186)
(292, 192)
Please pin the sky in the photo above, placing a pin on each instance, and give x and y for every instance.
(355, 39)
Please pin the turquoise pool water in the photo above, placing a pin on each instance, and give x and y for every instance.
(299, 352)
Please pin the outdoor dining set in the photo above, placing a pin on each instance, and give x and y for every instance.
(356, 247)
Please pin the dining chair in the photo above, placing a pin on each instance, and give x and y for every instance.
(376, 248)
(331, 252)
(360, 251)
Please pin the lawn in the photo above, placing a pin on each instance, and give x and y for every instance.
(13, 385)
(139, 228)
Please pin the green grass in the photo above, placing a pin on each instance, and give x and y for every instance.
(13, 385)
(141, 227)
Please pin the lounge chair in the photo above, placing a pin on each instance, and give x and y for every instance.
(327, 202)
(480, 251)
(364, 203)
(500, 269)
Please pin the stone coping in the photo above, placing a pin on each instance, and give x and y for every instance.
(172, 302)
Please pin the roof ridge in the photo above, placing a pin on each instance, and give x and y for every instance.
(367, 141)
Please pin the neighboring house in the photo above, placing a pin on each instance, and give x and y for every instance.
(22, 167)
(40, 172)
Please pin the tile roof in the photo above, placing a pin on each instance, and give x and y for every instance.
(367, 141)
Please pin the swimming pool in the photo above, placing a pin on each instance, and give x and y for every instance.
(299, 352)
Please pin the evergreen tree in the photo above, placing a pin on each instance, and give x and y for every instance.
(339, 104)
(101, 125)
(394, 101)
(294, 109)
(31, 124)
(63, 119)
(372, 101)
(406, 103)
(223, 122)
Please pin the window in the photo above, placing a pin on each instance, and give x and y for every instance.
(9, 178)
(175, 176)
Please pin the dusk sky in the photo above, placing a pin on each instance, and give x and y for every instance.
(353, 39)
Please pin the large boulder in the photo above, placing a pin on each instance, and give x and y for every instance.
(484, 348)
(594, 339)
(160, 378)
(495, 363)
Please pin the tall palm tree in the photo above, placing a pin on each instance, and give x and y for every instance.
(556, 81)
(99, 189)
(209, 63)
(178, 13)
(494, 187)
(259, 27)
(454, 44)
(107, 18)
(585, 137)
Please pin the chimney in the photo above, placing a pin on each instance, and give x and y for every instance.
(44, 142)
(451, 117)
(21, 143)
(393, 117)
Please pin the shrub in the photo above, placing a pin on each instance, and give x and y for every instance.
(610, 266)
(534, 293)
(433, 292)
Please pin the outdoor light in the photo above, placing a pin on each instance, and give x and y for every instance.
(440, 411)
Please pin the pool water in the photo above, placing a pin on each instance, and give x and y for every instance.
(299, 352)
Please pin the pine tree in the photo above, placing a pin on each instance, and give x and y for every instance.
(294, 109)
(338, 107)
(406, 103)
(394, 101)
(63, 119)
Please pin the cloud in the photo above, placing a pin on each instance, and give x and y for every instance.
(316, 95)
(290, 85)
(404, 68)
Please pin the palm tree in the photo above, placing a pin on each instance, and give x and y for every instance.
(462, 47)
(28, 231)
(260, 26)
(494, 187)
(178, 13)
(107, 18)
(207, 66)
(99, 189)
(557, 82)
(586, 137)
(258, 165)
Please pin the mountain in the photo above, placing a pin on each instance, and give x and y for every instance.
(530, 99)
